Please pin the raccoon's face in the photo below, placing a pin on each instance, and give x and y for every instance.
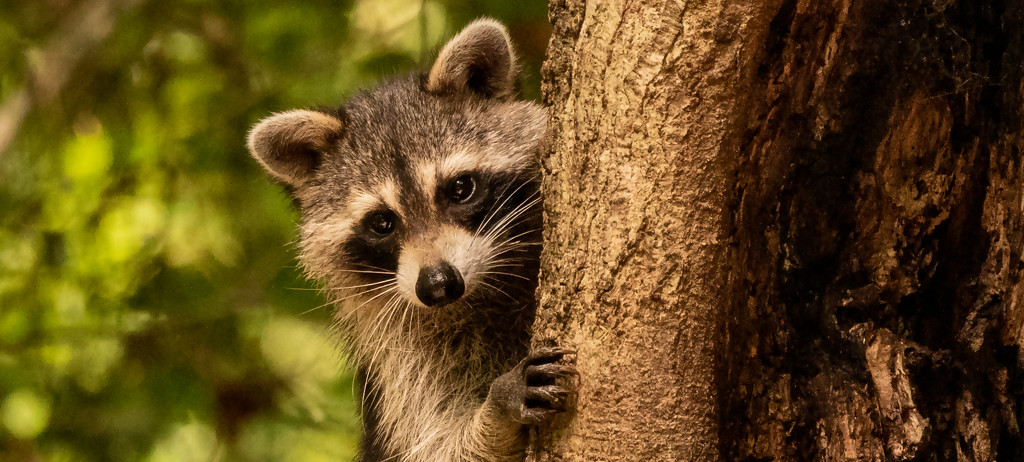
(421, 190)
(434, 229)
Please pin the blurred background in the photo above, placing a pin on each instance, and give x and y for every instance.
(150, 308)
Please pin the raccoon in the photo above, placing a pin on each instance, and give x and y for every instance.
(421, 217)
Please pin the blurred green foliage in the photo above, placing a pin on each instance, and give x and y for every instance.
(150, 308)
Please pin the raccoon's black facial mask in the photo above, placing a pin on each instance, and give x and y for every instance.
(465, 198)
(375, 245)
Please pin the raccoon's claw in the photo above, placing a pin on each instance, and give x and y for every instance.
(538, 388)
(547, 355)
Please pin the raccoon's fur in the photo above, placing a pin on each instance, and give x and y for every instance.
(421, 216)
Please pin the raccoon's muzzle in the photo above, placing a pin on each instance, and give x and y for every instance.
(440, 284)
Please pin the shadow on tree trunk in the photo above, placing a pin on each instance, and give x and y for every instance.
(879, 227)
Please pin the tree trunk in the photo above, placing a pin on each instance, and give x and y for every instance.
(645, 98)
(787, 230)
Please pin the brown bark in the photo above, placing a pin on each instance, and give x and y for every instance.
(644, 106)
(879, 234)
(787, 230)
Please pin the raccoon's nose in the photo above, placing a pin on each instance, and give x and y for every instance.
(439, 285)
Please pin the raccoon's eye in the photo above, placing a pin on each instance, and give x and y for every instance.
(382, 223)
(461, 189)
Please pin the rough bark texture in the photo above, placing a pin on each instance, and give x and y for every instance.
(643, 99)
(787, 230)
(880, 222)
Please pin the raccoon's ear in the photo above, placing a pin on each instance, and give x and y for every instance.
(480, 59)
(290, 145)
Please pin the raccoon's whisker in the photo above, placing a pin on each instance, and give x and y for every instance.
(517, 236)
(383, 316)
(413, 313)
(405, 312)
(517, 247)
(364, 265)
(508, 252)
(395, 306)
(528, 204)
(372, 285)
(362, 285)
(525, 244)
(506, 255)
(505, 263)
(387, 289)
(512, 216)
(495, 288)
(504, 222)
(391, 284)
(383, 321)
(515, 239)
(417, 315)
(494, 261)
(520, 251)
(495, 210)
(506, 274)
(315, 308)
(389, 273)
(530, 201)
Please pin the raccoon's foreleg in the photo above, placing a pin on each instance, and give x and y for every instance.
(532, 393)
(536, 389)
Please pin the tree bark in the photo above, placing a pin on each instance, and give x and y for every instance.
(787, 230)
(644, 101)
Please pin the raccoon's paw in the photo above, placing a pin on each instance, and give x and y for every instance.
(539, 387)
